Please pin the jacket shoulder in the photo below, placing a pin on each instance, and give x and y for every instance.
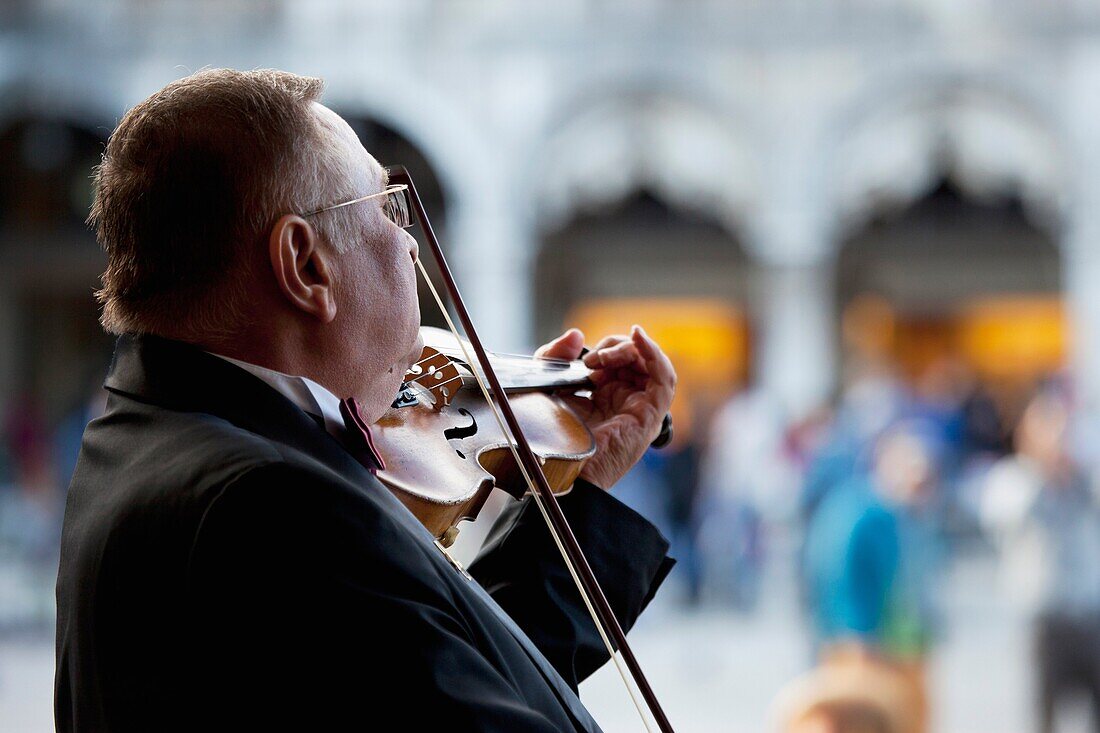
(146, 475)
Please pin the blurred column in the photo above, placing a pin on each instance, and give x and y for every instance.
(795, 359)
(1081, 265)
(493, 259)
(795, 294)
(1081, 240)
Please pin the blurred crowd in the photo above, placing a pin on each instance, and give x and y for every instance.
(37, 458)
(878, 493)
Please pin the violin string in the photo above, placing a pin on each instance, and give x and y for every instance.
(438, 384)
(539, 503)
(570, 375)
(426, 358)
(521, 364)
(475, 366)
(505, 356)
(549, 359)
(430, 376)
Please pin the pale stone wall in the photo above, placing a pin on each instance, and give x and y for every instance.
(783, 121)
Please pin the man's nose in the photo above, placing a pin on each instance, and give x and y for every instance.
(414, 247)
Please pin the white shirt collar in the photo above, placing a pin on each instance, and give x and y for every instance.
(302, 391)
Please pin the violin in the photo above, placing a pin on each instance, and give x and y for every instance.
(442, 449)
(538, 444)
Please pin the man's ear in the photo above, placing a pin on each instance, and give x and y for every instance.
(301, 267)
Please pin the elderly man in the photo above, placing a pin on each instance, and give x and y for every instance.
(226, 562)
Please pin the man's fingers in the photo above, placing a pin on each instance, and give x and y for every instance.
(600, 377)
(607, 341)
(659, 365)
(619, 355)
(566, 346)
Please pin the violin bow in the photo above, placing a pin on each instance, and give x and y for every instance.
(590, 590)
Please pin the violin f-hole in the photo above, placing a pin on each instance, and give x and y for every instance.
(460, 432)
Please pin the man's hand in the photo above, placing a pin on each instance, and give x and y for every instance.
(634, 383)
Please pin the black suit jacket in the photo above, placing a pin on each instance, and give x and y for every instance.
(226, 564)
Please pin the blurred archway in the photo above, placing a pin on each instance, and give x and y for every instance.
(641, 201)
(960, 298)
(949, 196)
(675, 272)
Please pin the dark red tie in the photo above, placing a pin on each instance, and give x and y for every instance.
(359, 442)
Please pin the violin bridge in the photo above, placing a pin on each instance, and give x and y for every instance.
(436, 373)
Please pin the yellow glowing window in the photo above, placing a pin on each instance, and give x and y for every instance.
(1014, 337)
(706, 338)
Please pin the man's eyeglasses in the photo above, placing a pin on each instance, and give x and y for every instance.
(395, 207)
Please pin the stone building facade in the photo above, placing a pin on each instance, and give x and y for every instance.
(788, 126)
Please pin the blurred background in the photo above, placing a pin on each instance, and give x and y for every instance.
(865, 230)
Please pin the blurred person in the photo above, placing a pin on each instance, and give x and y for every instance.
(986, 439)
(30, 527)
(937, 404)
(939, 395)
(30, 514)
(675, 469)
(855, 693)
(869, 403)
(229, 560)
(984, 429)
(872, 401)
(807, 436)
(27, 436)
(747, 474)
(872, 555)
(30, 532)
(1043, 512)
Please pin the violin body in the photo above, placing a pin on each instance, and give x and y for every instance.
(444, 450)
